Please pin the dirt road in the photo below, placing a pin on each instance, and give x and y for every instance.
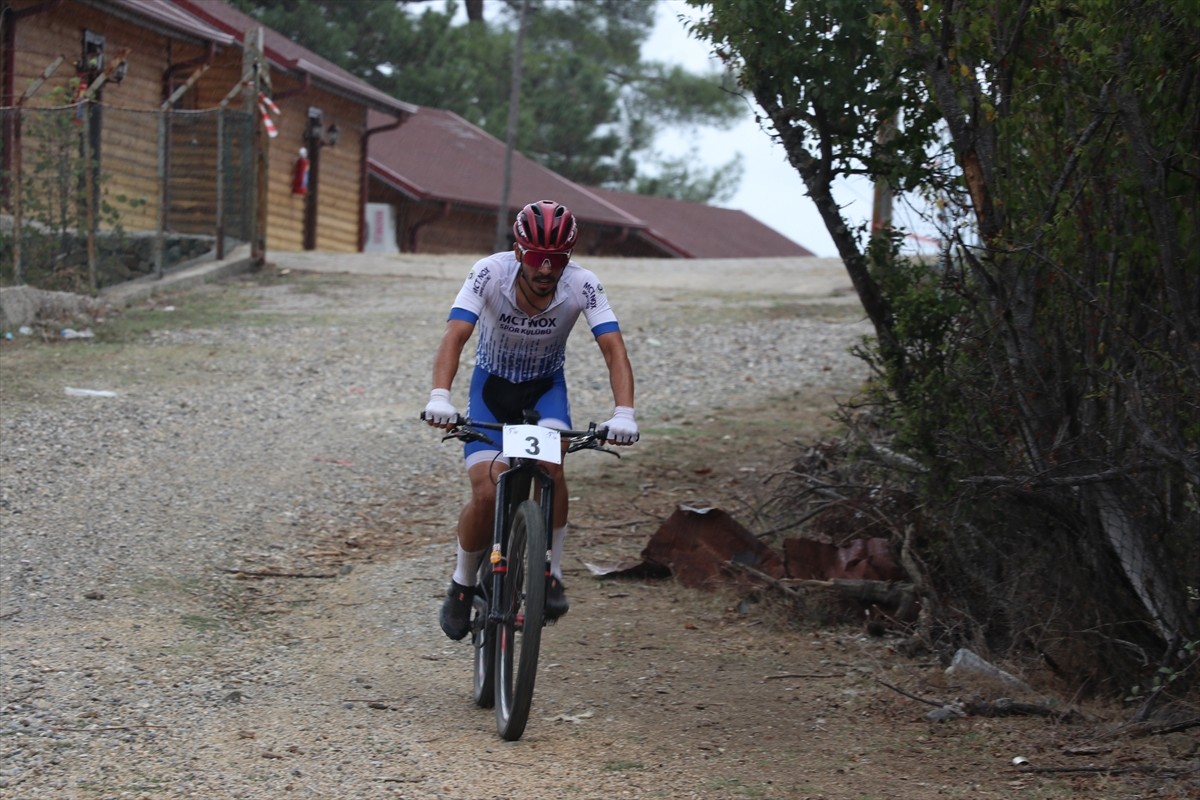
(221, 580)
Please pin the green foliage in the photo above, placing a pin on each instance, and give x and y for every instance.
(54, 201)
(1046, 371)
(589, 108)
(1184, 669)
(928, 318)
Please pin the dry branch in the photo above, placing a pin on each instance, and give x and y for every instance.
(1160, 729)
(911, 696)
(1003, 707)
(1181, 726)
(884, 593)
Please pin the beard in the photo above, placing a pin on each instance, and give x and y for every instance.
(539, 286)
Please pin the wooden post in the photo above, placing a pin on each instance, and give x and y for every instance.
(89, 101)
(254, 65)
(251, 65)
(89, 188)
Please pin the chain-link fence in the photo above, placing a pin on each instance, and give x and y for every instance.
(96, 195)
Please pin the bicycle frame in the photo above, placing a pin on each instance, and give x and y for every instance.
(513, 486)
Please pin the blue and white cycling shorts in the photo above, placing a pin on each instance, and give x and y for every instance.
(494, 399)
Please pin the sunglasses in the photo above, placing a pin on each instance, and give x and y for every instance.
(535, 259)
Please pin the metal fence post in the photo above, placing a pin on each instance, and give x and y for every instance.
(161, 232)
(18, 198)
(221, 156)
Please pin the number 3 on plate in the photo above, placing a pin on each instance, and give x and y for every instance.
(532, 441)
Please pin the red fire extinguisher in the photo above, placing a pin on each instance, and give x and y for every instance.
(300, 173)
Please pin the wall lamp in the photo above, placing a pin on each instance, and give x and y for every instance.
(315, 131)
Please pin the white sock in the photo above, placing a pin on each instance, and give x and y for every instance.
(466, 569)
(557, 536)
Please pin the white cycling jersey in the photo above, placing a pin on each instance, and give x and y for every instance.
(518, 347)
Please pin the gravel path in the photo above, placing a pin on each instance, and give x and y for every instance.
(142, 657)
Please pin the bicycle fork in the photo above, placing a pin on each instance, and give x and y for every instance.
(512, 488)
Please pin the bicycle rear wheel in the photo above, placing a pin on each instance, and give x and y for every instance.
(483, 641)
(519, 631)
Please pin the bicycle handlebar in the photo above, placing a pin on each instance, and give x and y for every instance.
(464, 429)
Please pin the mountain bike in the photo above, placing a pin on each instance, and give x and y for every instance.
(510, 594)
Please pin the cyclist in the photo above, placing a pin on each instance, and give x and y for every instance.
(525, 303)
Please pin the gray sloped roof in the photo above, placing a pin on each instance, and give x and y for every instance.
(165, 17)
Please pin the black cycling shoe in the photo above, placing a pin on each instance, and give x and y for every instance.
(556, 598)
(456, 610)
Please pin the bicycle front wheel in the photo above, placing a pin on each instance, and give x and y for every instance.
(518, 634)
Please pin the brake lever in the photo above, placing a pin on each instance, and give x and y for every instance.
(468, 435)
(595, 443)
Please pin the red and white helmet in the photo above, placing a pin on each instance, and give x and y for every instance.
(545, 225)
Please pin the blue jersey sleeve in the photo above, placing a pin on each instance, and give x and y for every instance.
(463, 315)
(605, 327)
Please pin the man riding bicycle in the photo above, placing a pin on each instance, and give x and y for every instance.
(525, 303)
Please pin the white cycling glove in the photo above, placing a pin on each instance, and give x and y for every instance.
(621, 428)
(439, 410)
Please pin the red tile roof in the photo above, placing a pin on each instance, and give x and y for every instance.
(438, 155)
(697, 230)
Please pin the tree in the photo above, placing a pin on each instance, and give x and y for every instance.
(794, 58)
(590, 106)
(1046, 372)
(676, 179)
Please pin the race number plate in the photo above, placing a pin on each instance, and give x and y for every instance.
(532, 441)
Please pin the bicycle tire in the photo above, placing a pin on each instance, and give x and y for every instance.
(483, 644)
(519, 630)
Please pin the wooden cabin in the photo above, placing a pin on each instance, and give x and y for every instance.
(198, 118)
(322, 110)
(73, 45)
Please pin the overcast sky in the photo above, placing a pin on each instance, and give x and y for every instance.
(770, 190)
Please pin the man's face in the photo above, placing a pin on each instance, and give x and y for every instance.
(541, 269)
